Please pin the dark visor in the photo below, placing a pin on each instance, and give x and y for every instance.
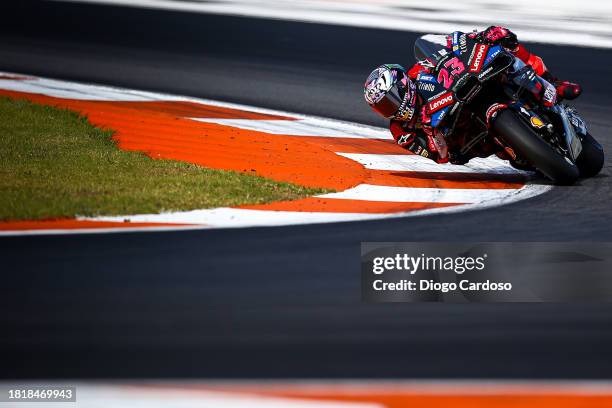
(389, 104)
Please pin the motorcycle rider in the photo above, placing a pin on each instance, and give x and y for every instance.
(391, 91)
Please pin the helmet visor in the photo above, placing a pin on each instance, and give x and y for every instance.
(390, 103)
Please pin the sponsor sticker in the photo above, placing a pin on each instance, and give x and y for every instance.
(436, 96)
(485, 73)
(550, 94)
(537, 122)
(404, 139)
(426, 78)
(479, 57)
(426, 86)
(492, 111)
(440, 102)
(455, 41)
(463, 43)
(406, 109)
(493, 55)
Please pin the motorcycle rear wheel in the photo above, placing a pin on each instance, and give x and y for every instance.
(530, 147)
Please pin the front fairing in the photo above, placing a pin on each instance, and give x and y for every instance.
(458, 66)
(523, 76)
(429, 46)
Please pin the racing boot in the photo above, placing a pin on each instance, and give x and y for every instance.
(565, 89)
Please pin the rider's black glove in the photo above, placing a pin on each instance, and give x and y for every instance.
(500, 35)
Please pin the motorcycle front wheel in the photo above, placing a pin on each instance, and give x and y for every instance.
(591, 159)
(530, 147)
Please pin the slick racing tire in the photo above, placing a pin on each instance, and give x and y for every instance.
(591, 159)
(530, 147)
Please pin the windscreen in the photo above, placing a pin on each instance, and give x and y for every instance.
(427, 45)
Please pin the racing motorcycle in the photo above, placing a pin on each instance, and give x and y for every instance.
(495, 99)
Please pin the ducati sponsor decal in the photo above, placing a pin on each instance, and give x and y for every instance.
(440, 102)
(477, 61)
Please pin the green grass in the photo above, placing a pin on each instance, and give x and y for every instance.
(55, 164)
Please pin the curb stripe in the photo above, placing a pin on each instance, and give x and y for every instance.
(444, 180)
(342, 205)
(374, 178)
(421, 164)
(302, 127)
(419, 195)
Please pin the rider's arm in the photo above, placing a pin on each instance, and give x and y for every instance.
(499, 35)
(507, 39)
(530, 59)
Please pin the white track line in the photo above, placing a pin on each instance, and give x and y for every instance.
(246, 218)
(409, 162)
(569, 22)
(241, 218)
(303, 127)
(420, 195)
(74, 90)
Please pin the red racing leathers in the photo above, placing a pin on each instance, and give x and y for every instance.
(420, 138)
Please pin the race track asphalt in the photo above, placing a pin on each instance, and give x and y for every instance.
(276, 302)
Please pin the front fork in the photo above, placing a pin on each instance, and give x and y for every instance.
(572, 141)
